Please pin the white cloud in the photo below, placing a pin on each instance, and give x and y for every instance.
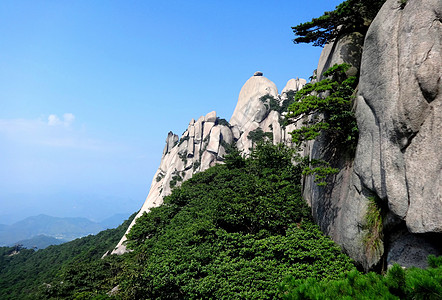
(68, 119)
(53, 133)
(54, 120)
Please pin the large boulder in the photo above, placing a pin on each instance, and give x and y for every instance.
(399, 115)
(398, 110)
(250, 108)
(346, 49)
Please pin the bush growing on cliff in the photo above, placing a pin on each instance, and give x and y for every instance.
(325, 106)
(349, 16)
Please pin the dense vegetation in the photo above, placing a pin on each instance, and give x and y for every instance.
(398, 283)
(25, 273)
(325, 107)
(237, 231)
(233, 231)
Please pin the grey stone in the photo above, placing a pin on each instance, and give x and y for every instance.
(211, 117)
(346, 49)
(207, 160)
(207, 128)
(226, 134)
(293, 85)
(250, 108)
(399, 107)
(190, 147)
(199, 129)
(412, 250)
(214, 139)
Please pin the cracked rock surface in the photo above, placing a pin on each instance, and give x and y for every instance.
(399, 112)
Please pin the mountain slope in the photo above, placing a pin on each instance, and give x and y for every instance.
(23, 272)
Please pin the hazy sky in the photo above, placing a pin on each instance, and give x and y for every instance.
(90, 89)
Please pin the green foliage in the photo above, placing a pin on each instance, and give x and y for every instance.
(271, 103)
(159, 177)
(319, 168)
(175, 179)
(183, 139)
(398, 283)
(183, 156)
(373, 239)
(196, 165)
(258, 135)
(325, 106)
(349, 16)
(38, 274)
(286, 103)
(220, 121)
(329, 104)
(232, 231)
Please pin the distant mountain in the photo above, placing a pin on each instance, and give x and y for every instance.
(60, 229)
(40, 242)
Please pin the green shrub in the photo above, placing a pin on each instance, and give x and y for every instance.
(398, 283)
(232, 232)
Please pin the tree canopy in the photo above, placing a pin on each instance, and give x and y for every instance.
(349, 16)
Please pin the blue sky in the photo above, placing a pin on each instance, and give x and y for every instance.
(90, 89)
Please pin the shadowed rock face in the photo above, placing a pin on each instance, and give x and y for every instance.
(338, 208)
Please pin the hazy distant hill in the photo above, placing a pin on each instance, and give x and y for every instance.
(40, 242)
(59, 229)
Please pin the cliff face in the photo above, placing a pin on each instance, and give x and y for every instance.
(399, 114)
(398, 110)
(204, 142)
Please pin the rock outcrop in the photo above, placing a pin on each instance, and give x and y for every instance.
(204, 142)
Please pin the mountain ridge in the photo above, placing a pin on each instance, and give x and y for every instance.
(55, 228)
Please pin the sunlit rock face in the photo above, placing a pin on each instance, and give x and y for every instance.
(199, 148)
(400, 112)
